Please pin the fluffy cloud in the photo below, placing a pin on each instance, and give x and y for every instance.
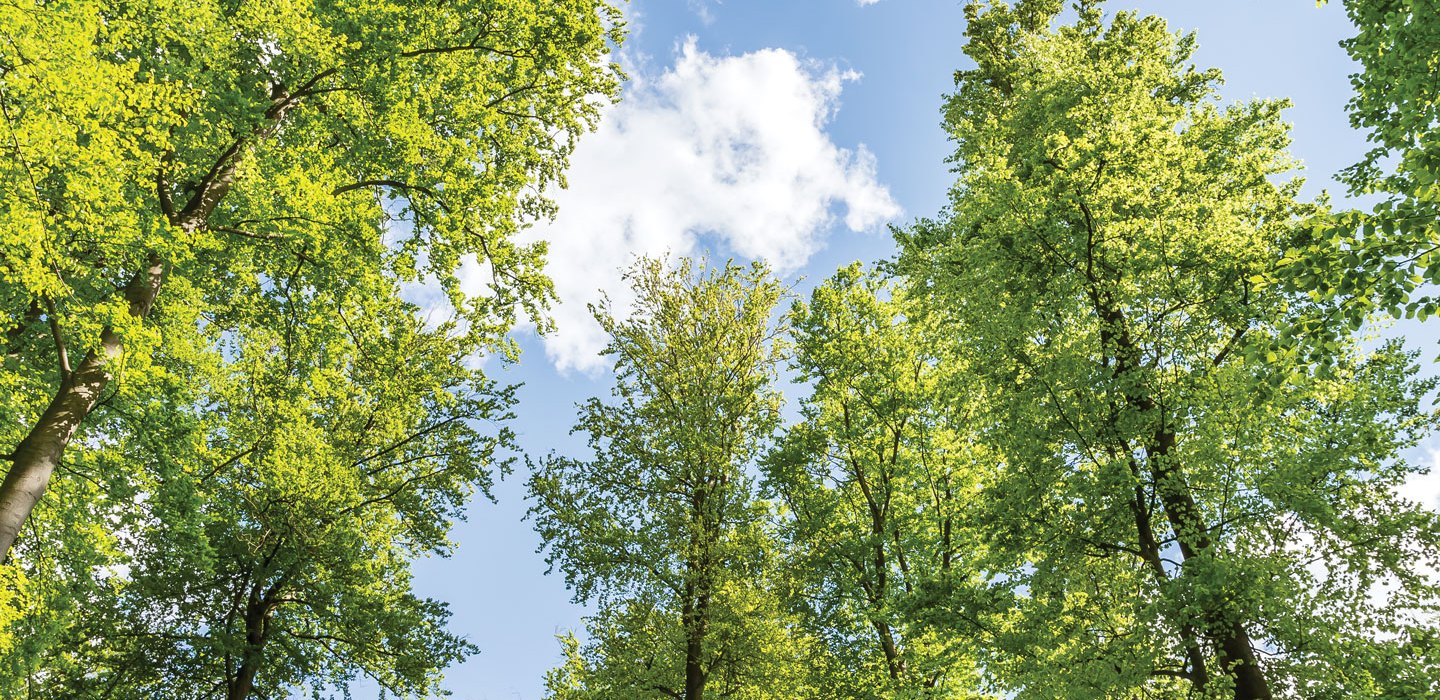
(1425, 488)
(728, 153)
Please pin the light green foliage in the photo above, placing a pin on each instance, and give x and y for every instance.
(1382, 259)
(661, 527)
(276, 542)
(636, 650)
(207, 213)
(1186, 511)
(877, 478)
(337, 119)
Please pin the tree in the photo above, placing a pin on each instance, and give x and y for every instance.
(1397, 99)
(158, 156)
(1389, 252)
(876, 478)
(634, 647)
(661, 526)
(272, 549)
(1187, 509)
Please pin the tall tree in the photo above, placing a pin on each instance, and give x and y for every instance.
(758, 649)
(271, 549)
(661, 526)
(1187, 510)
(876, 478)
(156, 154)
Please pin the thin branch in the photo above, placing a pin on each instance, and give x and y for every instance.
(162, 187)
(60, 350)
(1229, 346)
(394, 184)
(239, 456)
(19, 154)
(417, 435)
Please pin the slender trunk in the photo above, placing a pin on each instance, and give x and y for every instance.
(893, 663)
(694, 654)
(257, 629)
(1237, 655)
(695, 616)
(945, 535)
(38, 454)
(695, 608)
(1150, 552)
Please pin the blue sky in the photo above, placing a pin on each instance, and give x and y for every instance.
(793, 130)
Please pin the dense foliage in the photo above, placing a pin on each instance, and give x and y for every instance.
(1105, 426)
(662, 528)
(875, 480)
(1180, 510)
(1390, 250)
(227, 432)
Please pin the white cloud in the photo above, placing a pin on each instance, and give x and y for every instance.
(1425, 488)
(863, 3)
(730, 150)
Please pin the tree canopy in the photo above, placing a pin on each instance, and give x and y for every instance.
(875, 480)
(1187, 511)
(212, 151)
(661, 527)
(1112, 423)
(225, 426)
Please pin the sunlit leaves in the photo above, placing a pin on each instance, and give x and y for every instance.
(291, 167)
(1118, 258)
(661, 526)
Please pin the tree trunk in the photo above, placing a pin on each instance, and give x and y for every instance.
(244, 680)
(257, 630)
(694, 672)
(39, 453)
(1237, 655)
(1150, 552)
(695, 616)
(695, 608)
(892, 651)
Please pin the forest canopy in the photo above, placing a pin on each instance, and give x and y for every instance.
(1114, 422)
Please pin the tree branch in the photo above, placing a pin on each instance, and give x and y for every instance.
(63, 355)
(13, 335)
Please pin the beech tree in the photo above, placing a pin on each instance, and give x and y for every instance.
(877, 479)
(157, 154)
(661, 527)
(272, 551)
(1188, 509)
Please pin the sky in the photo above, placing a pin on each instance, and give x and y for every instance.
(793, 131)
